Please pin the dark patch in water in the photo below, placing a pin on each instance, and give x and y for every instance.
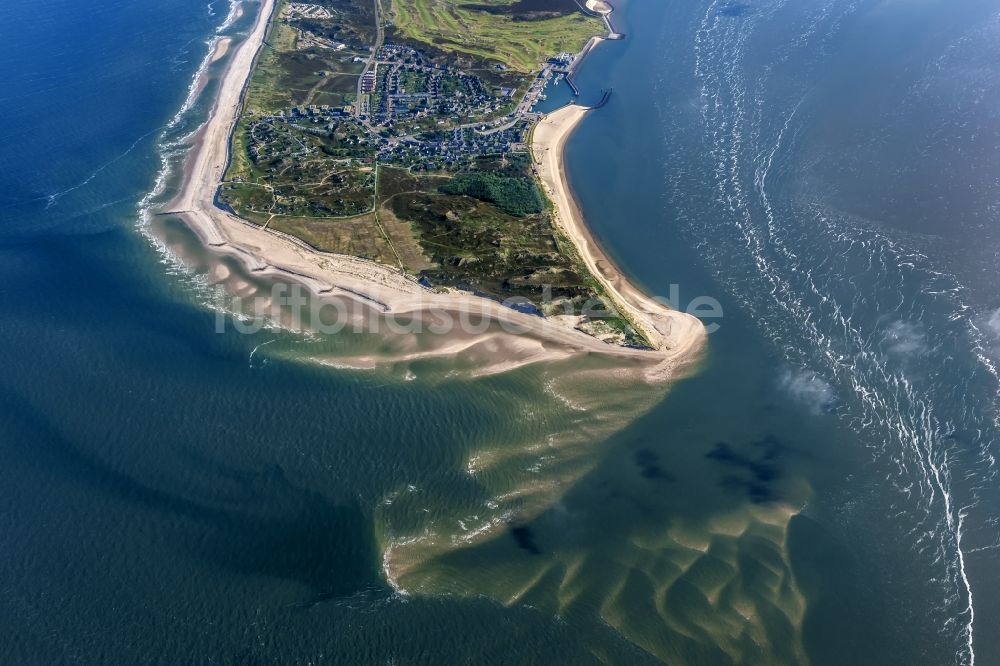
(525, 539)
(645, 457)
(771, 447)
(723, 453)
(761, 473)
(649, 466)
(758, 493)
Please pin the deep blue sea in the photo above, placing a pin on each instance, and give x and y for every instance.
(823, 490)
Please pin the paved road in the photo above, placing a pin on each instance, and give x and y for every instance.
(379, 38)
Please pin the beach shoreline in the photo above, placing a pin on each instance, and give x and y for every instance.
(221, 48)
(676, 337)
(664, 328)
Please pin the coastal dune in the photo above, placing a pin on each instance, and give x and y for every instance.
(676, 338)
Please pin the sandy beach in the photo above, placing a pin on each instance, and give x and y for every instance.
(677, 337)
(667, 330)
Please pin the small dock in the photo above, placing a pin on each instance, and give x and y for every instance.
(572, 86)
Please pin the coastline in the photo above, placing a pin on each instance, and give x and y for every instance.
(676, 337)
(665, 329)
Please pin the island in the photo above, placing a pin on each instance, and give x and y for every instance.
(389, 151)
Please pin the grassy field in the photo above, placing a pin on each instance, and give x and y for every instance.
(280, 169)
(471, 244)
(520, 41)
(357, 236)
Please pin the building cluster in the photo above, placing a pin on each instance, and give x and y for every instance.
(452, 148)
(305, 10)
(398, 53)
(315, 113)
(404, 89)
(308, 40)
(423, 115)
(368, 80)
(564, 59)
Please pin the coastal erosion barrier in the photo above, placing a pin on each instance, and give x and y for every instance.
(606, 17)
(591, 43)
(612, 33)
(606, 95)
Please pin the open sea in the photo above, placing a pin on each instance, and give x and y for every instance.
(822, 490)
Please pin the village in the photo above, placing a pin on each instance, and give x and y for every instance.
(412, 113)
(407, 106)
(427, 116)
(394, 150)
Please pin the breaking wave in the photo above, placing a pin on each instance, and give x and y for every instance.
(853, 306)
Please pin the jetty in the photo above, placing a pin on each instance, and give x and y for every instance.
(605, 96)
(572, 86)
(612, 33)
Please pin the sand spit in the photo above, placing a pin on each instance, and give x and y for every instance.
(221, 48)
(677, 337)
(599, 6)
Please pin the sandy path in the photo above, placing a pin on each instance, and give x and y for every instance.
(275, 254)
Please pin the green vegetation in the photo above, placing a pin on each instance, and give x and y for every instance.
(356, 236)
(286, 168)
(473, 244)
(409, 182)
(301, 63)
(413, 81)
(518, 196)
(520, 35)
(304, 166)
